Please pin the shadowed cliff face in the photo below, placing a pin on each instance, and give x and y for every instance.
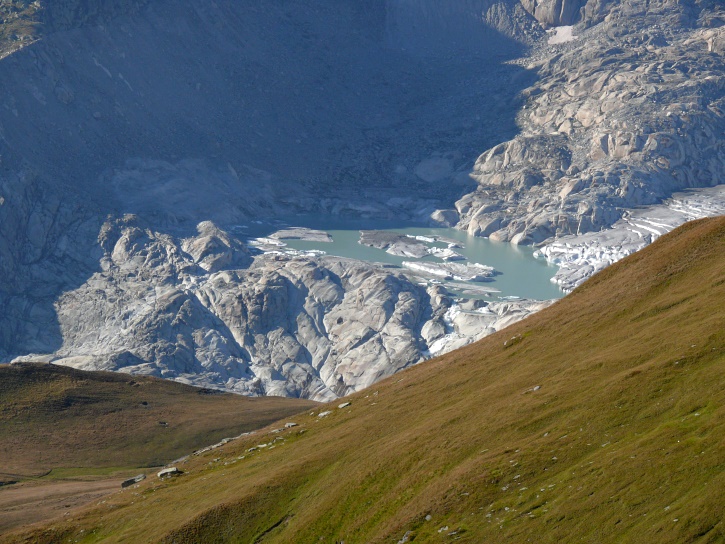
(555, 12)
(182, 112)
(327, 96)
(482, 28)
(67, 14)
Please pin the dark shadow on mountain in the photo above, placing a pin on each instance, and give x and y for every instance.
(242, 110)
(48, 245)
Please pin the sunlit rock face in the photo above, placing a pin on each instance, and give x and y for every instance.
(623, 115)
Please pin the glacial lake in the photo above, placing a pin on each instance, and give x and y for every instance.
(521, 274)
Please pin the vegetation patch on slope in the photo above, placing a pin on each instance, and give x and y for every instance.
(603, 422)
(62, 422)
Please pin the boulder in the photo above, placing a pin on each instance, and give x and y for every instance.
(169, 472)
(133, 481)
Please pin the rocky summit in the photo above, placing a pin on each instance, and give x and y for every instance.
(136, 136)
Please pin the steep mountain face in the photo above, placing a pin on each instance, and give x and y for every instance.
(264, 87)
(555, 12)
(136, 135)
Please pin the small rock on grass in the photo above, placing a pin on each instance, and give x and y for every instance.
(169, 472)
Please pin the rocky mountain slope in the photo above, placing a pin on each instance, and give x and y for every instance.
(624, 115)
(200, 311)
(599, 419)
(136, 135)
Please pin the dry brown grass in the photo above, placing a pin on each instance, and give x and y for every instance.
(53, 418)
(622, 442)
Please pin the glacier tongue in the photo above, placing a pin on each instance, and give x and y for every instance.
(581, 256)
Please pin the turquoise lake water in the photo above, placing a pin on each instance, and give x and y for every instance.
(521, 274)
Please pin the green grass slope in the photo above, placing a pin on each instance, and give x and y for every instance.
(600, 419)
(54, 418)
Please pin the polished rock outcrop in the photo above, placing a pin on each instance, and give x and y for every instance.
(277, 325)
(621, 117)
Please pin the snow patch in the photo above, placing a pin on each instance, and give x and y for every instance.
(561, 34)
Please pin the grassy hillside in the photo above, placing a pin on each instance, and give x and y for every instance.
(600, 419)
(56, 418)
